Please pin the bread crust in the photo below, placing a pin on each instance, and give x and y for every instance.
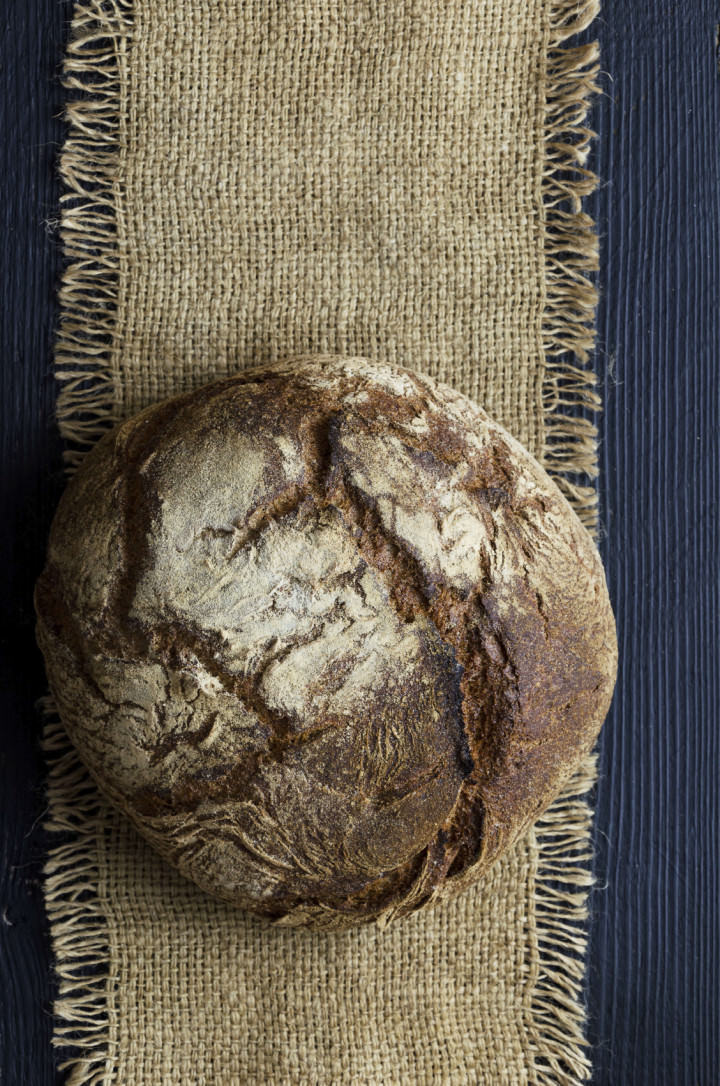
(327, 634)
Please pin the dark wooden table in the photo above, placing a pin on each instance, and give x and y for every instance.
(654, 976)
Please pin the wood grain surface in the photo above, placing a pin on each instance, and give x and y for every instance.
(654, 974)
(653, 987)
(30, 102)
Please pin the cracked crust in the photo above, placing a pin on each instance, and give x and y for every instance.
(327, 634)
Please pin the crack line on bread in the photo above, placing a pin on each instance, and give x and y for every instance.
(173, 644)
(259, 521)
(410, 592)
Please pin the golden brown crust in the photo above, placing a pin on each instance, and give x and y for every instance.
(327, 634)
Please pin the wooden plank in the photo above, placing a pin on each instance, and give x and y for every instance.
(653, 986)
(30, 99)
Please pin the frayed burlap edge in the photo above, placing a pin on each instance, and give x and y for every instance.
(94, 69)
(80, 935)
(569, 451)
(94, 75)
(556, 1015)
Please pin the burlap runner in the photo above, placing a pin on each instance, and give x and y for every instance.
(247, 180)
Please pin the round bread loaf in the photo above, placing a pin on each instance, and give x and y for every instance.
(327, 634)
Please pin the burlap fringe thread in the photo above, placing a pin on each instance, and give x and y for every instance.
(95, 69)
(78, 924)
(571, 252)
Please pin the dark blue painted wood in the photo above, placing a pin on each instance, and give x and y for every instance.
(30, 100)
(654, 982)
(653, 985)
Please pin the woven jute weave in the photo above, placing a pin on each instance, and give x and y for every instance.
(245, 181)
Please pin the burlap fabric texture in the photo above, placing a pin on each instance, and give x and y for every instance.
(244, 181)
